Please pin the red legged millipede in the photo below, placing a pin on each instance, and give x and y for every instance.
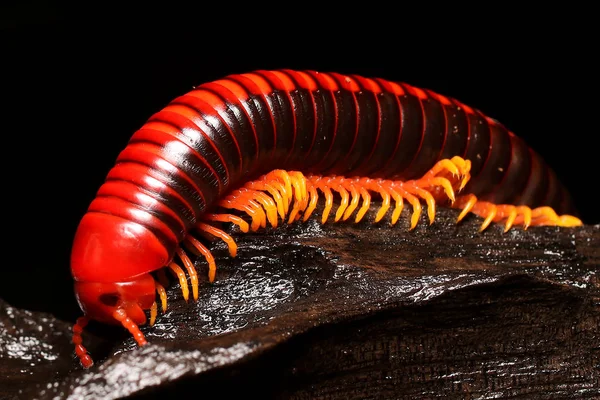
(258, 148)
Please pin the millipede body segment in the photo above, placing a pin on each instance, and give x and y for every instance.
(261, 149)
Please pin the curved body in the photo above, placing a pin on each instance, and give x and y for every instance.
(225, 132)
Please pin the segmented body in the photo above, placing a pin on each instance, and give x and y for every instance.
(225, 133)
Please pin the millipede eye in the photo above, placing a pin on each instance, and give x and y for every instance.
(109, 299)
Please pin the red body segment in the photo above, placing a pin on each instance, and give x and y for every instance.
(224, 133)
(109, 248)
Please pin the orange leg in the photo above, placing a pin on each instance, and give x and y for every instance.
(178, 272)
(162, 294)
(153, 313)
(189, 266)
(512, 215)
(438, 185)
(221, 235)
(121, 316)
(234, 219)
(195, 246)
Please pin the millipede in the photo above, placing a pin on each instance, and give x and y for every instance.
(262, 148)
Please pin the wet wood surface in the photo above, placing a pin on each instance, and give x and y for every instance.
(348, 311)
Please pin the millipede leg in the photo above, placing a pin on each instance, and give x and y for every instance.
(234, 219)
(355, 197)
(398, 207)
(275, 191)
(344, 203)
(323, 184)
(385, 201)
(232, 246)
(178, 272)
(312, 204)
(449, 175)
(424, 194)
(568, 221)
(439, 184)
(414, 202)
(268, 205)
(162, 294)
(270, 197)
(84, 357)
(189, 266)
(121, 316)
(199, 249)
(153, 313)
(508, 213)
(513, 215)
(466, 203)
(237, 201)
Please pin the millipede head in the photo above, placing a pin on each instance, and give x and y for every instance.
(110, 261)
(99, 300)
(117, 303)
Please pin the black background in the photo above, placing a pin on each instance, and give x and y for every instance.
(77, 83)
